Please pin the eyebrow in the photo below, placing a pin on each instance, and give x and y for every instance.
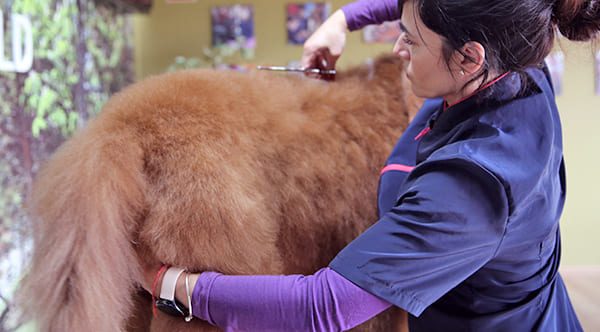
(403, 29)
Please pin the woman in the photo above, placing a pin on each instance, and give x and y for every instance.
(469, 203)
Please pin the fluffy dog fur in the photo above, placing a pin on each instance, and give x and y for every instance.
(256, 173)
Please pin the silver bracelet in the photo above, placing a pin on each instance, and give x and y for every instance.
(189, 317)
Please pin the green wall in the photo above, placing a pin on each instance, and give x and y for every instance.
(171, 30)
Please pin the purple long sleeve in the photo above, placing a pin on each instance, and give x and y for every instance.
(364, 12)
(325, 301)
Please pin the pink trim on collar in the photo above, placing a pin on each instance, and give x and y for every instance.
(446, 106)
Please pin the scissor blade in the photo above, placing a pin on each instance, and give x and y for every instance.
(295, 69)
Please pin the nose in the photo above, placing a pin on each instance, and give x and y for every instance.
(401, 49)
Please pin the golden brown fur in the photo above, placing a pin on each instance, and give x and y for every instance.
(257, 173)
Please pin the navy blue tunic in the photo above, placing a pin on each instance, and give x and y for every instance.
(469, 204)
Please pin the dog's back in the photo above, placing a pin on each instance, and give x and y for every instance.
(255, 173)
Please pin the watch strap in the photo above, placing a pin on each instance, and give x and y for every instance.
(167, 290)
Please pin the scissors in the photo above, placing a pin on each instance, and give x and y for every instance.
(296, 69)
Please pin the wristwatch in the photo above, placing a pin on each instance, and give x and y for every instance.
(166, 302)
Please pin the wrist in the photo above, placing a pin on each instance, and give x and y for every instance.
(175, 292)
(181, 293)
(339, 20)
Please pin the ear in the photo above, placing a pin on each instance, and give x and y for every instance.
(471, 58)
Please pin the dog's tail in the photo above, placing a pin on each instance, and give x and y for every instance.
(83, 209)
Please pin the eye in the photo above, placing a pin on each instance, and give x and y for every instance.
(406, 40)
(404, 34)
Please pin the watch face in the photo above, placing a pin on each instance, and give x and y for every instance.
(173, 308)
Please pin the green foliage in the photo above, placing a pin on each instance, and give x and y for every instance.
(213, 57)
(82, 55)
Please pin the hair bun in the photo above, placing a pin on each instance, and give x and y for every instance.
(577, 19)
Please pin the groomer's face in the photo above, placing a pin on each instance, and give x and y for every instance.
(422, 49)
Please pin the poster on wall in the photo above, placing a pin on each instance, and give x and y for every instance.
(387, 32)
(233, 27)
(556, 66)
(597, 77)
(304, 18)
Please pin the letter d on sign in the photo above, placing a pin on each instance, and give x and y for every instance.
(22, 50)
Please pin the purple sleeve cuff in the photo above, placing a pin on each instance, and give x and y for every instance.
(364, 12)
(325, 301)
(200, 295)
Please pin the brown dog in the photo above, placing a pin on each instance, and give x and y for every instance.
(255, 173)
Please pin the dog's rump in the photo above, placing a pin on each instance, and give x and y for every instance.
(241, 173)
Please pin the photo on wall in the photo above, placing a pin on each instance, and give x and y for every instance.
(233, 26)
(386, 32)
(304, 18)
(556, 66)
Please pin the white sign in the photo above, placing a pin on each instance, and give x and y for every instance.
(22, 50)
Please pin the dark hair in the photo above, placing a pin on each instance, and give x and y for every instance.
(516, 34)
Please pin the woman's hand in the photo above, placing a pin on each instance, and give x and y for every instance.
(326, 44)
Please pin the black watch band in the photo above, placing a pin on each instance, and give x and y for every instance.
(171, 307)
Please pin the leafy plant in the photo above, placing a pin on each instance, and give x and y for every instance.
(82, 55)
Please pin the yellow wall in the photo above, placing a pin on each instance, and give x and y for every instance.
(170, 30)
(184, 29)
(580, 112)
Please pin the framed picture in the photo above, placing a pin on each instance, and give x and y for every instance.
(556, 66)
(233, 26)
(387, 32)
(304, 18)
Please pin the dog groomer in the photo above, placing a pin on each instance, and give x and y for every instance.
(469, 201)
